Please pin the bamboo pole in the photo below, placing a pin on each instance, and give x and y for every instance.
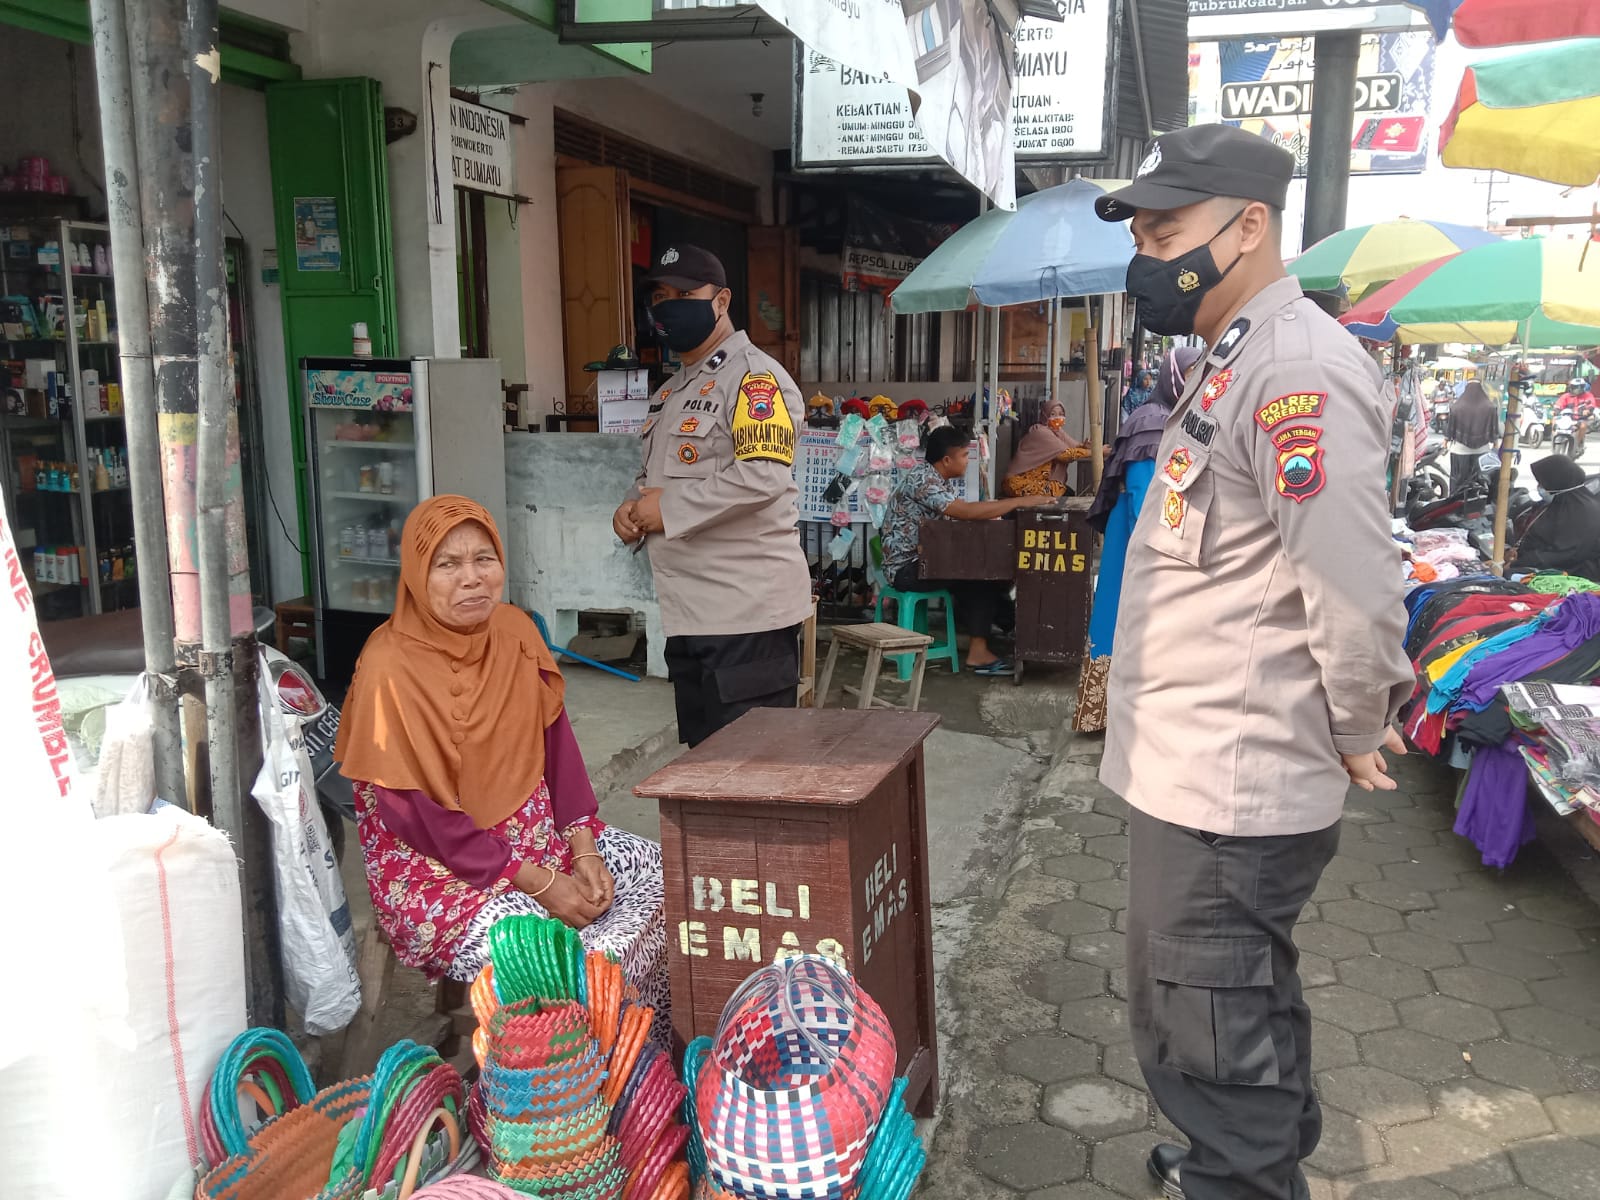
(1508, 456)
(1091, 357)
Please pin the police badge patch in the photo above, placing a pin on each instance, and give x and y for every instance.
(1300, 468)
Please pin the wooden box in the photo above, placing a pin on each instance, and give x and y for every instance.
(966, 549)
(803, 830)
(1054, 552)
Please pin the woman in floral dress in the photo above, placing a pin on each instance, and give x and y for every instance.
(473, 799)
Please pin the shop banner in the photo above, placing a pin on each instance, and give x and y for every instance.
(1051, 77)
(868, 36)
(480, 149)
(882, 248)
(1219, 20)
(1264, 85)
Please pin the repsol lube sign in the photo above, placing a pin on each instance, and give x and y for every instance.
(1374, 94)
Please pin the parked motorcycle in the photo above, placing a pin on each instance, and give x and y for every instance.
(1534, 425)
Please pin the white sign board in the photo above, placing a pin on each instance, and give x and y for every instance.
(1220, 20)
(869, 35)
(480, 149)
(816, 452)
(624, 400)
(846, 118)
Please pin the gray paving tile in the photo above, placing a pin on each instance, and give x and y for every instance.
(1449, 1018)
(1551, 1030)
(1424, 816)
(1427, 876)
(1089, 824)
(1392, 833)
(1109, 893)
(1494, 1111)
(1457, 1156)
(1523, 1067)
(1565, 1168)
(1352, 1010)
(1448, 927)
(1081, 868)
(1095, 1108)
(1351, 870)
(1119, 1062)
(1332, 1047)
(1348, 1145)
(1067, 917)
(1316, 971)
(1073, 1191)
(1058, 982)
(1572, 909)
(1119, 1164)
(1401, 897)
(1101, 949)
(1363, 916)
(1538, 937)
(1111, 806)
(1375, 853)
(1103, 1020)
(1482, 986)
(1418, 949)
(1113, 847)
(1050, 1057)
(1510, 960)
(1031, 1155)
(1386, 978)
(1480, 904)
(1373, 1094)
(1415, 1055)
(1389, 1183)
(1331, 941)
(1576, 1114)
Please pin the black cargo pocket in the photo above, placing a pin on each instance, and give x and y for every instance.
(748, 682)
(1212, 1007)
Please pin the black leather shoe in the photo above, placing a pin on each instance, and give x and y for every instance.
(1164, 1163)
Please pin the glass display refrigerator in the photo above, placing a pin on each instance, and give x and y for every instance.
(381, 435)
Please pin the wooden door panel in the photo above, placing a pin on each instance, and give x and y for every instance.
(592, 212)
(774, 307)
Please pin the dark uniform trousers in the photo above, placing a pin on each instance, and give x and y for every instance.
(1219, 1023)
(717, 678)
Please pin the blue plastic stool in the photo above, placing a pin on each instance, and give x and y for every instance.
(911, 612)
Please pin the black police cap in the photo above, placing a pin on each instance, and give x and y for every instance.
(688, 267)
(1197, 163)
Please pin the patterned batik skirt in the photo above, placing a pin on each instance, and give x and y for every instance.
(439, 923)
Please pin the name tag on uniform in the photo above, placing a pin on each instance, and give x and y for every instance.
(1201, 429)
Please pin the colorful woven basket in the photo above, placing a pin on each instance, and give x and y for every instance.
(263, 1066)
(796, 1080)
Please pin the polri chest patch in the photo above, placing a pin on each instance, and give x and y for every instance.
(1201, 429)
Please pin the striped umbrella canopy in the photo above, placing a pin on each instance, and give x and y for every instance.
(1479, 23)
(1052, 246)
(1535, 114)
(1536, 292)
(1371, 254)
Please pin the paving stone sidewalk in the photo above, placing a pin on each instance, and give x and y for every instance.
(1457, 1015)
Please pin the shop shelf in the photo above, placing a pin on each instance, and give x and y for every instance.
(393, 498)
(392, 447)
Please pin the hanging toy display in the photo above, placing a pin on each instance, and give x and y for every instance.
(821, 412)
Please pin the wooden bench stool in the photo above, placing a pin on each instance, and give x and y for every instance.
(295, 619)
(877, 639)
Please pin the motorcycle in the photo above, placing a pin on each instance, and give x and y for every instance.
(1534, 425)
(105, 655)
(1571, 435)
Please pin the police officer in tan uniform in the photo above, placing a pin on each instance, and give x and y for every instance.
(1259, 660)
(716, 503)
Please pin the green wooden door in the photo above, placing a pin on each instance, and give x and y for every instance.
(330, 191)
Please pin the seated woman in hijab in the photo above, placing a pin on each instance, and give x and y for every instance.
(473, 799)
(1039, 467)
(1116, 508)
(1565, 536)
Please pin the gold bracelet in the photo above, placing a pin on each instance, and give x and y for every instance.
(546, 887)
(589, 854)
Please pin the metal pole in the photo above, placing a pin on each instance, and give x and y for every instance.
(994, 397)
(1091, 362)
(138, 389)
(1333, 114)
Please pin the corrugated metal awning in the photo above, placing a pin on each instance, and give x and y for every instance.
(1153, 74)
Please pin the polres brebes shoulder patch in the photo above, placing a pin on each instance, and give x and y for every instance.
(1294, 406)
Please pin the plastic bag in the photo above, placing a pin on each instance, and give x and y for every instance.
(126, 779)
(319, 945)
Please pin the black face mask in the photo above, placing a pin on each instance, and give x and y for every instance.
(1169, 293)
(685, 323)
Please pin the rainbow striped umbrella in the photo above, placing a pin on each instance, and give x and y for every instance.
(1372, 254)
(1479, 23)
(1532, 291)
(1535, 114)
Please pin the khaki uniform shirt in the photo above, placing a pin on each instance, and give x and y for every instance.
(720, 443)
(1261, 628)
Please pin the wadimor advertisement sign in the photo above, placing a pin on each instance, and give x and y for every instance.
(1059, 74)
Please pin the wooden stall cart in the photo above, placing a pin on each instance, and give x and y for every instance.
(803, 831)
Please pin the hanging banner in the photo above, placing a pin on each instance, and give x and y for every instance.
(1058, 84)
(1264, 85)
(480, 149)
(865, 35)
(1219, 20)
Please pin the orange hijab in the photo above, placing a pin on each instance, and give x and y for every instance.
(459, 715)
